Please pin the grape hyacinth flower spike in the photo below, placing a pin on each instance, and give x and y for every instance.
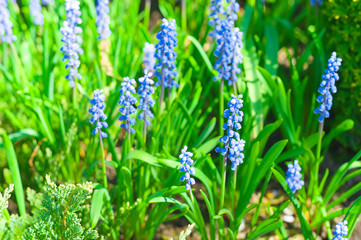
(340, 231)
(234, 116)
(71, 48)
(97, 110)
(165, 69)
(127, 100)
(146, 102)
(35, 12)
(237, 57)
(217, 10)
(327, 86)
(103, 19)
(149, 59)
(293, 176)
(6, 26)
(187, 162)
(47, 2)
(233, 145)
(316, 2)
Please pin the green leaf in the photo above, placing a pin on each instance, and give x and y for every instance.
(21, 134)
(305, 227)
(96, 205)
(207, 146)
(206, 132)
(202, 52)
(342, 127)
(272, 47)
(15, 173)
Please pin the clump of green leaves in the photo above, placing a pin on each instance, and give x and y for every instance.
(343, 23)
(60, 216)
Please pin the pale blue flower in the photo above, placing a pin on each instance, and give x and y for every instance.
(97, 110)
(235, 153)
(293, 176)
(103, 19)
(127, 100)
(315, 2)
(165, 69)
(146, 102)
(35, 12)
(233, 145)
(149, 59)
(47, 2)
(187, 162)
(340, 231)
(327, 86)
(6, 26)
(71, 40)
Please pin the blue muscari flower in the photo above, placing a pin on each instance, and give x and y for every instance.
(327, 86)
(233, 145)
(149, 59)
(315, 2)
(187, 162)
(97, 110)
(47, 2)
(217, 11)
(146, 102)
(293, 176)
(165, 54)
(103, 19)
(232, 10)
(223, 50)
(71, 40)
(126, 101)
(235, 153)
(6, 26)
(35, 12)
(237, 57)
(340, 231)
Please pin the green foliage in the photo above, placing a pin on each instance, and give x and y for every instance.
(60, 216)
(5, 197)
(343, 33)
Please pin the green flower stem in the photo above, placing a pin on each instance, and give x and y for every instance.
(223, 172)
(105, 181)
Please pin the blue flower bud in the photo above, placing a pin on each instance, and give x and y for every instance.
(127, 100)
(327, 86)
(293, 176)
(97, 110)
(103, 19)
(187, 162)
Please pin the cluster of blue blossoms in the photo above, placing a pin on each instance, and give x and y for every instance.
(233, 144)
(187, 162)
(97, 110)
(165, 69)
(47, 2)
(315, 2)
(146, 102)
(228, 40)
(6, 26)
(71, 48)
(35, 12)
(126, 101)
(293, 176)
(340, 231)
(149, 59)
(103, 19)
(327, 86)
